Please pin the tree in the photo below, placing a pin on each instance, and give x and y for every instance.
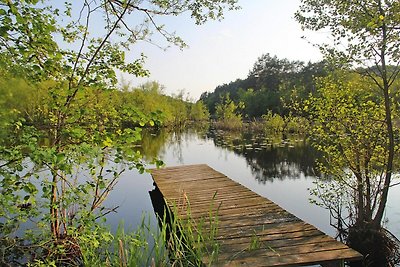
(369, 34)
(270, 72)
(71, 54)
(348, 117)
(272, 84)
(228, 113)
(199, 112)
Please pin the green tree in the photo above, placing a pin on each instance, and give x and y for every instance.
(348, 122)
(369, 30)
(168, 111)
(365, 34)
(228, 113)
(257, 102)
(270, 71)
(76, 123)
(199, 112)
(272, 84)
(273, 123)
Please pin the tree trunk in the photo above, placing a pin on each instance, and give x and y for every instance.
(53, 210)
(389, 167)
(389, 127)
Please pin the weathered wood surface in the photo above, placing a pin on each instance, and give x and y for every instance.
(243, 217)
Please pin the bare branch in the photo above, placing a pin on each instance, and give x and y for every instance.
(104, 41)
(82, 43)
(124, 23)
(107, 212)
(393, 76)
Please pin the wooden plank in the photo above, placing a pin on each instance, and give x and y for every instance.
(217, 197)
(198, 192)
(270, 237)
(283, 247)
(245, 211)
(290, 260)
(268, 253)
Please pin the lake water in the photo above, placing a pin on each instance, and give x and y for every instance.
(279, 171)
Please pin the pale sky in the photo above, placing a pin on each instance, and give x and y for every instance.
(221, 52)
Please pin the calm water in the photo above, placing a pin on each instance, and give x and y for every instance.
(279, 171)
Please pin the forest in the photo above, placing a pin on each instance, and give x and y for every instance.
(272, 85)
(69, 128)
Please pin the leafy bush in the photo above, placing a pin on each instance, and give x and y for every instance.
(273, 123)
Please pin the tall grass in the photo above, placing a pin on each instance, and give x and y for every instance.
(139, 247)
(229, 124)
(193, 242)
(176, 242)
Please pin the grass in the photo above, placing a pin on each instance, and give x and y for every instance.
(190, 241)
(176, 242)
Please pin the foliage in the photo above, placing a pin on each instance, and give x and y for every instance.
(178, 242)
(348, 118)
(297, 124)
(270, 71)
(192, 242)
(271, 85)
(199, 112)
(348, 127)
(70, 180)
(365, 34)
(66, 134)
(256, 102)
(101, 248)
(228, 114)
(365, 37)
(169, 111)
(273, 122)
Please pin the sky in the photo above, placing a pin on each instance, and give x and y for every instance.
(222, 51)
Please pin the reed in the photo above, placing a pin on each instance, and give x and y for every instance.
(178, 241)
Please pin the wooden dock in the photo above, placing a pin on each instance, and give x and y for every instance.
(244, 218)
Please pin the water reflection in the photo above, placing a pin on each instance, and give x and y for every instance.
(159, 206)
(280, 170)
(270, 157)
(156, 143)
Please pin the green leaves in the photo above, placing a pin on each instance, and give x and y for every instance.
(227, 109)
(348, 127)
(357, 28)
(30, 188)
(65, 132)
(203, 10)
(28, 32)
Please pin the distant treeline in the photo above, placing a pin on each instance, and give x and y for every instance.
(170, 111)
(271, 86)
(133, 106)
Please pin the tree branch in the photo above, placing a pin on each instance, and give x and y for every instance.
(82, 44)
(86, 71)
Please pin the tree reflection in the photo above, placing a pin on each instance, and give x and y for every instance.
(155, 143)
(270, 157)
